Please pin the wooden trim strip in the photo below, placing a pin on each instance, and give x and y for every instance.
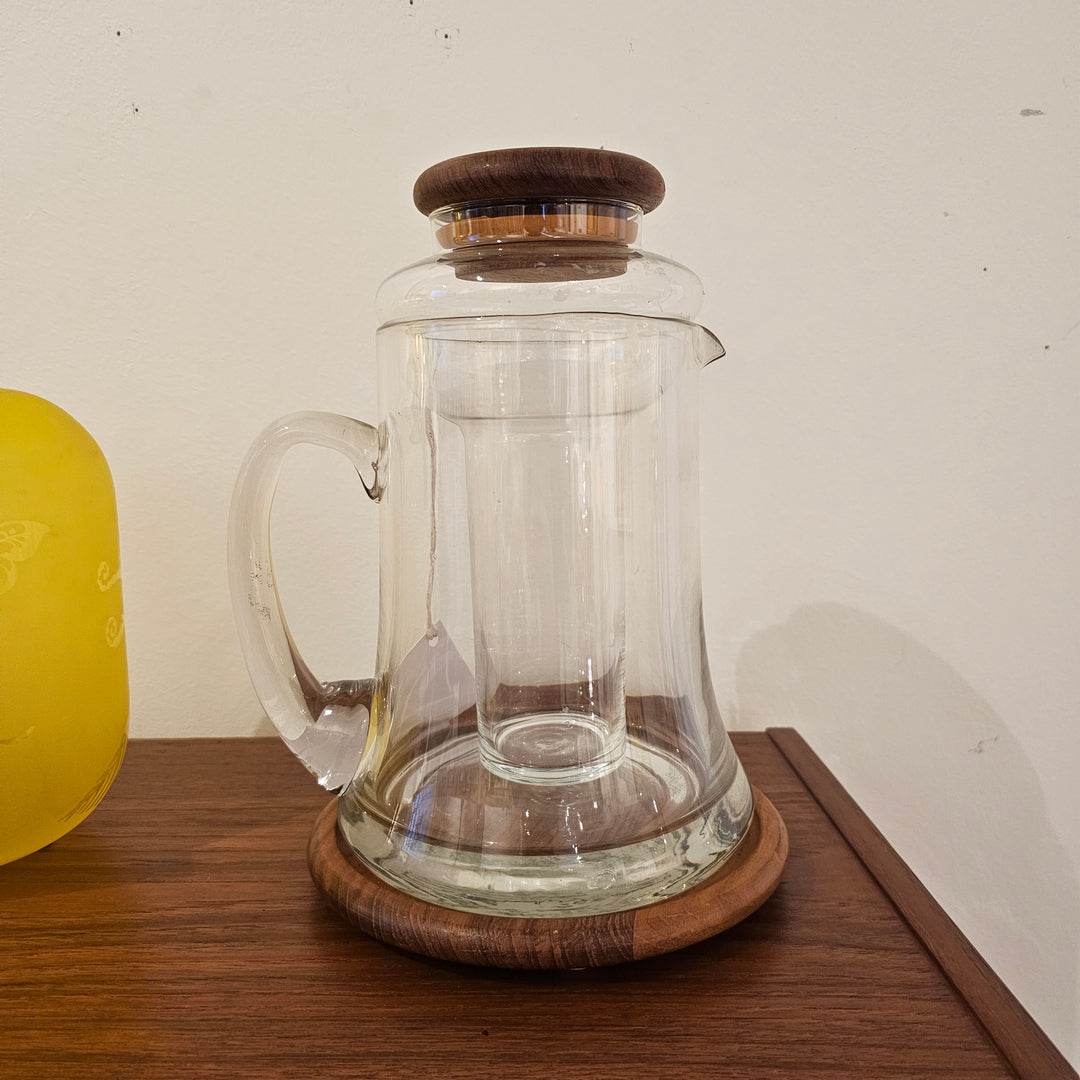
(1020, 1040)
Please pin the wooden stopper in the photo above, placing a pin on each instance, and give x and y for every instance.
(539, 173)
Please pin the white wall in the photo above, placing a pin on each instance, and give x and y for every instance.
(198, 201)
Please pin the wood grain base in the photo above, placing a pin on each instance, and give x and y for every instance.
(738, 888)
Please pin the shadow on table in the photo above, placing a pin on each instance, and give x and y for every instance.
(941, 775)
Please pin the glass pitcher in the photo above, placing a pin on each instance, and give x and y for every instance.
(540, 737)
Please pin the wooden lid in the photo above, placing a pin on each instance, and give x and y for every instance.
(539, 173)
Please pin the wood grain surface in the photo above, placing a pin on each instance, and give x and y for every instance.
(1021, 1040)
(532, 173)
(177, 933)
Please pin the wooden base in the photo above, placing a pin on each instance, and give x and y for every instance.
(738, 888)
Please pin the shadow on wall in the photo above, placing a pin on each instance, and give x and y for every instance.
(942, 777)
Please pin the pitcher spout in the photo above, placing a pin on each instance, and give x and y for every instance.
(708, 346)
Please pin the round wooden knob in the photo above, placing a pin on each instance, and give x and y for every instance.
(548, 173)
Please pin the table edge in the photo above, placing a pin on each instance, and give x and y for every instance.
(1018, 1038)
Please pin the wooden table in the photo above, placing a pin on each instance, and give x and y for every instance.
(176, 933)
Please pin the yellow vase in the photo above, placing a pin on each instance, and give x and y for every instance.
(63, 665)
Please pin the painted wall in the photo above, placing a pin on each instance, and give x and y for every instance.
(198, 201)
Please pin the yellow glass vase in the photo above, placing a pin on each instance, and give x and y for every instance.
(63, 665)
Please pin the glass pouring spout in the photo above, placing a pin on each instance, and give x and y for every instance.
(708, 347)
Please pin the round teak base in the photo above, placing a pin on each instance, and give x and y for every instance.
(738, 888)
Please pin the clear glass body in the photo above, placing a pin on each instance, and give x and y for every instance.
(543, 736)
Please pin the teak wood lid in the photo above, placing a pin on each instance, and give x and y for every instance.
(539, 173)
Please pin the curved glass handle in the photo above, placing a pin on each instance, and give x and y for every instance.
(325, 725)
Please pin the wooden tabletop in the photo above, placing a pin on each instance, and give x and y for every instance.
(176, 933)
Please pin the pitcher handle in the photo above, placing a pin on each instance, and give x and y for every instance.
(324, 724)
